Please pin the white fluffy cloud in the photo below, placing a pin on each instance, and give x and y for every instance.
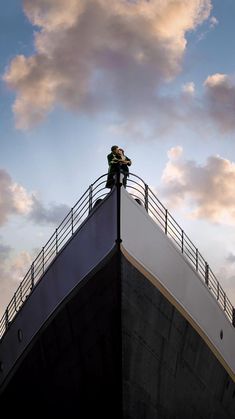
(94, 55)
(15, 200)
(208, 190)
(189, 88)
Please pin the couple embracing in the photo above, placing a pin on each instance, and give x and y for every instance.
(117, 160)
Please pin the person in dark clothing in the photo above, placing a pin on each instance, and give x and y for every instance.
(117, 161)
(113, 162)
(124, 163)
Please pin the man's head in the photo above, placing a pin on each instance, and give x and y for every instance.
(114, 148)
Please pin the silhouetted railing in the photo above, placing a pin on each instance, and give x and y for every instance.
(140, 191)
(77, 215)
(59, 238)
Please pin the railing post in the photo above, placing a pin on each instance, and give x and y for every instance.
(90, 198)
(6, 319)
(43, 260)
(233, 319)
(56, 241)
(196, 259)
(182, 241)
(206, 273)
(21, 294)
(146, 197)
(166, 220)
(32, 275)
(72, 219)
(15, 302)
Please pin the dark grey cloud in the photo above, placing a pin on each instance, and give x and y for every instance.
(4, 251)
(231, 258)
(219, 101)
(54, 214)
(16, 200)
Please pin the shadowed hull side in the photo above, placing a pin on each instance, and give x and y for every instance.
(118, 348)
(73, 365)
(168, 370)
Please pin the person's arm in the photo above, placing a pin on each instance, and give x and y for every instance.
(115, 160)
(112, 159)
(128, 161)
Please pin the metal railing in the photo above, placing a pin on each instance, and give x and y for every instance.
(140, 191)
(73, 220)
(77, 215)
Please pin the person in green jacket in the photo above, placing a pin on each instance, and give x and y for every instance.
(116, 161)
(113, 159)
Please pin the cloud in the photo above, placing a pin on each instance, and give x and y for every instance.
(189, 88)
(226, 277)
(213, 22)
(12, 270)
(231, 258)
(175, 152)
(207, 190)
(214, 109)
(92, 56)
(4, 251)
(52, 215)
(220, 100)
(15, 200)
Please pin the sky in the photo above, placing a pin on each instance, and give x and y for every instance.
(156, 77)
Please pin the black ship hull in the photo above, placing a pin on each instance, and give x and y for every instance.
(115, 342)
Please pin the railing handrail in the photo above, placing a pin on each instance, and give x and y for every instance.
(65, 230)
(78, 214)
(177, 235)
